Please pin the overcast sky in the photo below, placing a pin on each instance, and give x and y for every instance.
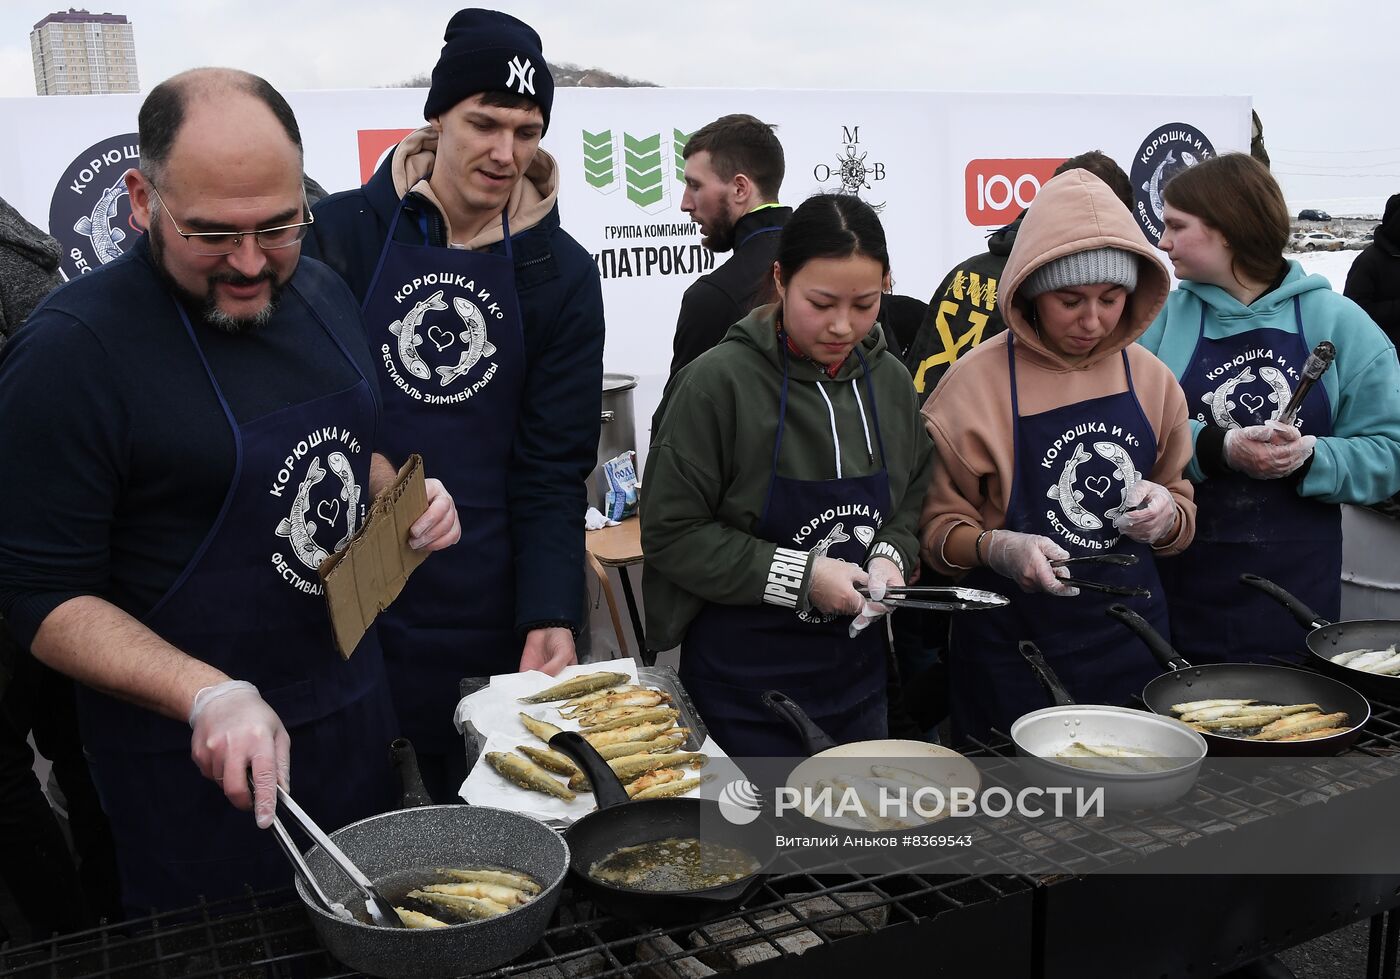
(1323, 73)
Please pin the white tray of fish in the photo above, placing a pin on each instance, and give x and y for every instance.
(640, 716)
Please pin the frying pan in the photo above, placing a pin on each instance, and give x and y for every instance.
(943, 765)
(1045, 733)
(406, 846)
(1270, 684)
(619, 822)
(1327, 639)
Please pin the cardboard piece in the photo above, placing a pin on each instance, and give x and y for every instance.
(368, 573)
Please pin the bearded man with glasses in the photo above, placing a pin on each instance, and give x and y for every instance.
(195, 424)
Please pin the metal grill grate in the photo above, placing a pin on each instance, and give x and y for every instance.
(801, 922)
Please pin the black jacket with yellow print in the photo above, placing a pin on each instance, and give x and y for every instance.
(962, 313)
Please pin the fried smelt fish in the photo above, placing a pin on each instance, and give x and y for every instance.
(630, 767)
(1324, 732)
(506, 878)
(589, 700)
(467, 907)
(1260, 717)
(670, 789)
(526, 774)
(548, 758)
(569, 689)
(633, 717)
(1300, 724)
(509, 896)
(659, 777)
(1203, 704)
(540, 729)
(1252, 710)
(673, 738)
(614, 699)
(636, 732)
(417, 919)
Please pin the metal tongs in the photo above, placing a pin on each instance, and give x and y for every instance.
(381, 912)
(1121, 560)
(938, 598)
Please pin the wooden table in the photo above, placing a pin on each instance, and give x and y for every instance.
(620, 547)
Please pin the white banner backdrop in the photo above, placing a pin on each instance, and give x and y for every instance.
(944, 169)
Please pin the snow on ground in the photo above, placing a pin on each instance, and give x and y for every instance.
(1332, 265)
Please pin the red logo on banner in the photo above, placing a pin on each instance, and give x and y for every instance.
(374, 143)
(998, 190)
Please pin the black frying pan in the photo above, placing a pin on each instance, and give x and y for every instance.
(620, 822)
(1327, 639)
(1270, 684)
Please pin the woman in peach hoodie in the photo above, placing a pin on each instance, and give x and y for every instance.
(1048, 437)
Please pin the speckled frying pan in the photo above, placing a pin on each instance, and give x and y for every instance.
(398, 850)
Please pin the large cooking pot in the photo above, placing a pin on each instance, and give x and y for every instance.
(1047, 734)
(399, 850)
(618, 433)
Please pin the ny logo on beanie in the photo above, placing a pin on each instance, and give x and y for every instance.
(523, 71)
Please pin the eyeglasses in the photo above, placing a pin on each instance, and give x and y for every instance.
(212, 243)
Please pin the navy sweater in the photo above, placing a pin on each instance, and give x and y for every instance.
(556, 435)
(116, 452)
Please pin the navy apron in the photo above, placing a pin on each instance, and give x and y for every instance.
(446, 326)
(1261, 526)
(249, 603)
(1074, 466)
(733, 653)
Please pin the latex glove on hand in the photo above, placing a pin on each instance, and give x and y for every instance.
(833, 587)
(438, 526)
(1155, 520)
(1025, 559)
(235, 731)
(882, 574)
(1269, 451)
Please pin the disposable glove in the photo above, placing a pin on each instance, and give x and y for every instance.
(234, 731)
(1269, 451)
(1025, 559)
(833, 588)
(881, 575)
(1152, 522)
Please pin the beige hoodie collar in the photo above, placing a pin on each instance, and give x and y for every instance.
(1075, 212)
(530, 200)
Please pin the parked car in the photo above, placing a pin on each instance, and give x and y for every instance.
(1312, 214)
(1312, 241)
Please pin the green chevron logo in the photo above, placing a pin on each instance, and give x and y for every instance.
(641, 159)
(678, 141)
(599, 167)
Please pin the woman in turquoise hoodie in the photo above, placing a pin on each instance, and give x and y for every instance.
(1236, 334)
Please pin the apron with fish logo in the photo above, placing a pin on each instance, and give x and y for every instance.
(233, 609)
(1074, 466)
(1260, 526)
(732, 653)
(446, 330)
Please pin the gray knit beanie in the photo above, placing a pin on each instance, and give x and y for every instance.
(1093, 267)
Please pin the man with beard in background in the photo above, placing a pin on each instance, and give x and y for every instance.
(194, 424)
(733, 171)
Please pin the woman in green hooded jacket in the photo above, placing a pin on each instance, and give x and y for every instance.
(782, 495)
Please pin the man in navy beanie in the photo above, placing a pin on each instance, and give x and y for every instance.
(486, 322)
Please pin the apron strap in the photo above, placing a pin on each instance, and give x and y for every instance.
(384, 253)
(782, 421)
